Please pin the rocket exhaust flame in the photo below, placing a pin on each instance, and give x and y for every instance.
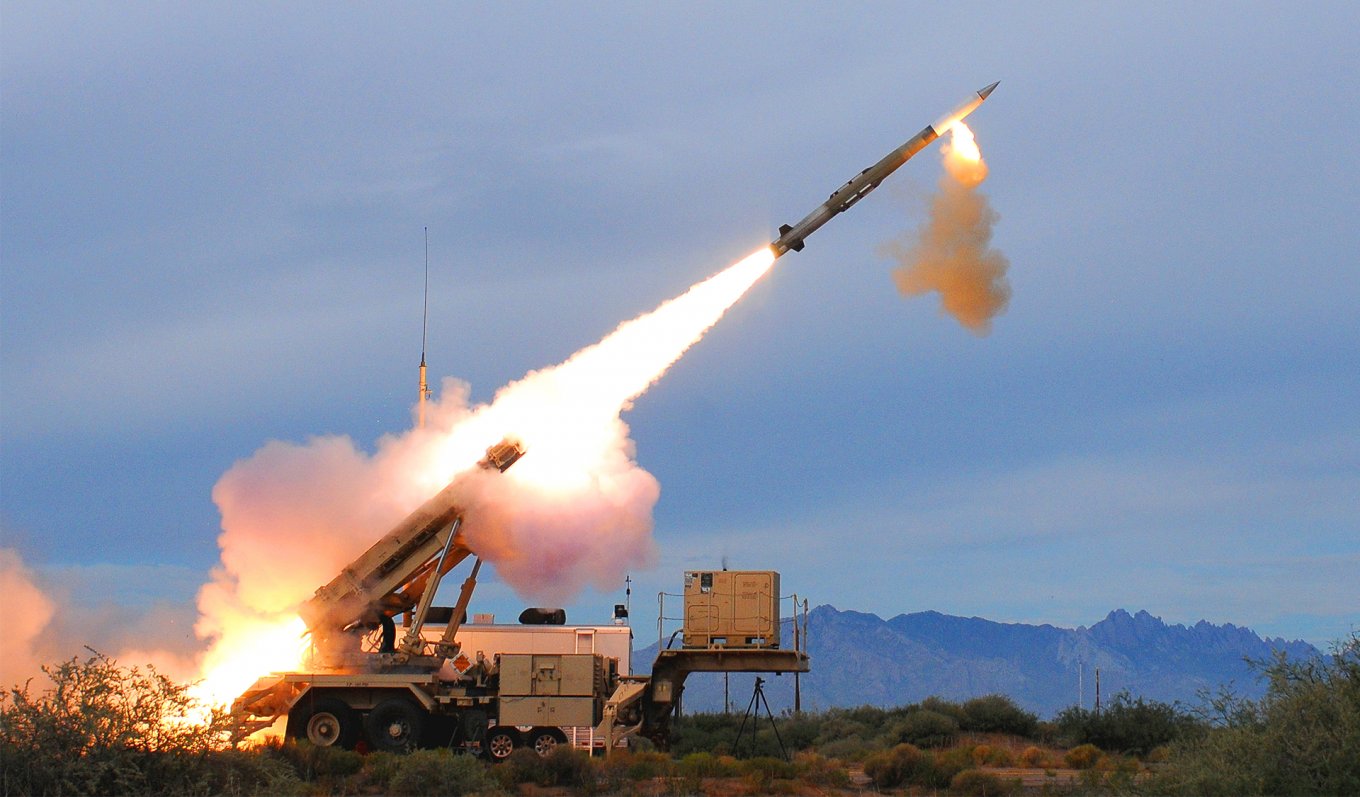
(578, 511)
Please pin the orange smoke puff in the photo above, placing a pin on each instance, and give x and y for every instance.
(952, 255)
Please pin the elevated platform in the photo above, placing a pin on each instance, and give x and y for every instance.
(646, 703)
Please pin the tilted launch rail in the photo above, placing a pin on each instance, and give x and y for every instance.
(400, 573)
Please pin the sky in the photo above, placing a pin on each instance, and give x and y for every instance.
(211, 237)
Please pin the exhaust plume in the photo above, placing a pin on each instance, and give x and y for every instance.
(576, 511)
(951, 253)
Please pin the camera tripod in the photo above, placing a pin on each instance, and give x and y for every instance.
(753, 714)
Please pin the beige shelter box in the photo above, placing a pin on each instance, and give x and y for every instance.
(731, 609)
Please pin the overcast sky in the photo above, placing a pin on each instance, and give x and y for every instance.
(211, 235)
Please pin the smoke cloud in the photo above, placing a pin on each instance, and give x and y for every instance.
(28, 611)
(575, 511)
(951, 253)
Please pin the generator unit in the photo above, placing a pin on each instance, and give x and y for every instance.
(731, 609)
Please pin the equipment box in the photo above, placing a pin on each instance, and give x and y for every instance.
(565, 712)
(552, 675)
(731, 609)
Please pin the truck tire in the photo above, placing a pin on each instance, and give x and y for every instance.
(395, 725)
(545, 740)
(501, 742)
(325, 722)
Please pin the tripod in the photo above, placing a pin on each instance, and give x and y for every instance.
(753, 713)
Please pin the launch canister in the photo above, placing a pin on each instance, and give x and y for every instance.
(792, 237)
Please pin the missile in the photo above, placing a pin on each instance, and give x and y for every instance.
(792, 237)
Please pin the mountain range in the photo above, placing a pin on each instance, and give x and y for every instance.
(862, 659)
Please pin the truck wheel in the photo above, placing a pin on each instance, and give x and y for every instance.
(328, 723)
(394, 725)
(544, 741)
(500, 743)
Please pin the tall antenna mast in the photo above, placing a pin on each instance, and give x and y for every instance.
(424, 324)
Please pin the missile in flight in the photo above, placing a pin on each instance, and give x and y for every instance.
(792, 237)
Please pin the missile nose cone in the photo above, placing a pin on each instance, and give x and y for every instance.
(984, 92)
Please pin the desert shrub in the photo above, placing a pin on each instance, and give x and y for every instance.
(523, 765)
(949, 763)
(848, 748)
(983, 784)
(648, 765)
(820, 771)
(1128, 724)
(925, 728)
(319, 763)
(769, 768)
(984, 755)
(980, 754)
(236, 773)
(941, 706)
(997, 714)
(1302, 737)
(707, 765)
(904, 763)
(567, 767)
(704, 733)
(799, 732)
(1033, 757)
(1082, 757)
(380, 767)
(102, 728)
(439, 772)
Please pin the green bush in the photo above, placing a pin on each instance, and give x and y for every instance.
(997, 714)
(319, 763)
(106, 729)
(521, 766)
(567, 767)
(424, 772)
(848, 748)
(237, 773)
(1303, 737)
(941, 706)
(1128, 724)
(926, 728)
(983, 784)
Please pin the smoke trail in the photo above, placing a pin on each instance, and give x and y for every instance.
(575, 511)
(951, 253)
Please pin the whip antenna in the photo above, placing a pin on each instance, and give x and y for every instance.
(424, 325)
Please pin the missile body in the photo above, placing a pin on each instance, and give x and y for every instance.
(792, 237)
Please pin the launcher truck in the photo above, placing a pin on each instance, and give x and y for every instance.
(362, 686)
